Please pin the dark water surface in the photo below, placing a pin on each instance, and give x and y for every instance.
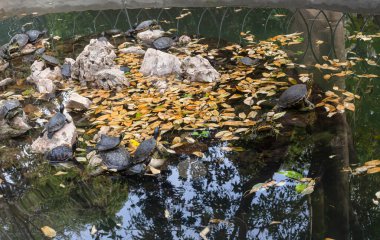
(178, 205)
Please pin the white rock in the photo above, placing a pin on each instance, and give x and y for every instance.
(184, 40)
(65, 136)
(28, 49)
(133, 49)
(5, 82)
(199, 69)
(89, 65)
(159, 63)
(111, 78)
(69, 61)
(44, 78)
(149, 36)
(78, 102)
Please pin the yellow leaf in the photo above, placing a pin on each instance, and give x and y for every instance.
(134, 143)
(373, 170)
(349, 106)
(59, 173)
(154, 171)
(176, 140)
(372, 163)
(198, 154)
(48, 232)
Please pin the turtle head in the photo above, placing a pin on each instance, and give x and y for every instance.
(61, 108)
(156, 132)
(121, 137)
(75, 145)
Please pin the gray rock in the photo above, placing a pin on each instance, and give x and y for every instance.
(92, 61)
(65, 136)
(147, 37)
(159, 63)
(5, 82)
(133, 50)
(77, 102)
(199, 69)
(3, 65)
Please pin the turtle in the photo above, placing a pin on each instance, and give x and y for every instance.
(107, 143)
(9, 109)
(50, 60)
(163, 43)
(145, 25)
(116, 159)
(294, 96)
(21, 39)
(66, 70)
(34, 35)
(61, 154)
(55, 123)
(125, 69)
(40, 51)
(146, 148)
(248, 61)
(4, 52)
(112, 32)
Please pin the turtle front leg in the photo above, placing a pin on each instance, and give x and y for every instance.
(308, 105)
(67, 121)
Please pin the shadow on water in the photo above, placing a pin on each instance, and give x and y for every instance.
(180, 204)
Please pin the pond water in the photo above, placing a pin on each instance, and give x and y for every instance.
(179, 205)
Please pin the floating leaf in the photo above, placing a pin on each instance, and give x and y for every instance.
(278, 115)
(198, 154)
(48, 232)
(59, 173)
(93, 230)
(373, 170)
(291, 174)
(300, 187)
(372, 163)
(204, 232)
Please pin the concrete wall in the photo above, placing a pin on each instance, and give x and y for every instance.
(15, 7)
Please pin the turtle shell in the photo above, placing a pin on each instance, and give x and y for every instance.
(8, 109)
(118, 159)
(50, 59)
(293, 95)
(34, 35)
(146, 148)
(66, 70)
(55, 124)
(145, 25)
(21, 39)
(60, 154)
(163, 43)
(107, 142)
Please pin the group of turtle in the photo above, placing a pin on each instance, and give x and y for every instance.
(114, 156)
(161, 43)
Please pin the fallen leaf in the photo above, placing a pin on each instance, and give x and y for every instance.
(372, 163)
(59, 173)
(198, 154)
(204, 232)
(93, 230)
(48, 232)
(373, 170)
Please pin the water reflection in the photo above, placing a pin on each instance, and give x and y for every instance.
(174, 207)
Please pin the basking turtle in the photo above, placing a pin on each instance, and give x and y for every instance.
(55, 123)
(294, 96)
(50, 60)
(146, 148)
(112, 32)
(248, 61)
(145, 25)
(9, 109)
(40, 51)
(163, 43)
(66, 70)
(34, 35)
(61, 154)
(21, 39)
(116, 159)
(107, 143)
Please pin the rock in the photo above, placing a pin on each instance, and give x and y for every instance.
(44, 78)
(159, 63)
(14, 128)
(77, 102)
(133, 50)
(3, 65)
(6, 82)
(69, 61)
(161, 86)
(148, 36)
(65, 136)
(199, 69)
(95, 66)
(184, 40)
(28, 49)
